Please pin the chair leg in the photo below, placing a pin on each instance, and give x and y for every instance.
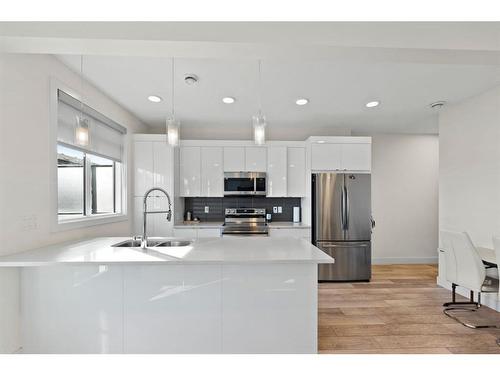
(454, 299)
(463, 306)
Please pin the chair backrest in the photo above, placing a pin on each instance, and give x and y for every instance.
(464, 266)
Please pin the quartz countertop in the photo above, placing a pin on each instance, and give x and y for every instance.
(218, 224)
(223, 250)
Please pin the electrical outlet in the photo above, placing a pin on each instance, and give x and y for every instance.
(275, 210)
(29, 223)
(280, 210)
(207, 209)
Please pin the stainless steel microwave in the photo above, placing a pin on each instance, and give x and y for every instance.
(244, 183)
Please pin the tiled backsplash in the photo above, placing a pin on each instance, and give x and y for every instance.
(217, 206)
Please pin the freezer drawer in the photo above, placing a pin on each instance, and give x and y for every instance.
(352, 261)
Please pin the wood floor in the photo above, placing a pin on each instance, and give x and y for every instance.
(399, 311)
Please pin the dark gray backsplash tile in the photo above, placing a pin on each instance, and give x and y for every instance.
(218, 205)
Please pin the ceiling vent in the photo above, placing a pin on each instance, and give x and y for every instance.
(191, 79)
(437, 105)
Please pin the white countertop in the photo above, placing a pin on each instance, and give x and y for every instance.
(246, 250)
(218, 224)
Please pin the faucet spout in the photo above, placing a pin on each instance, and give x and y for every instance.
(145, 212)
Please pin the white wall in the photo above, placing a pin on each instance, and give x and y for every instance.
(405, 198)
(469, 171)
(24, 160)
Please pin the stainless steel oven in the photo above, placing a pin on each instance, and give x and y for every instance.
(245, 222)
(244, 183)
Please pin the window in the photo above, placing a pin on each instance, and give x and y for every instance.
(89, 162)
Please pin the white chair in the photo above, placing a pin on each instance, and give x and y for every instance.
(465, 268)
(496, 245)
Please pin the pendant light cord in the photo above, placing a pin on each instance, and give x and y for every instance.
(260, 90)
(173, 90)
(81, 87)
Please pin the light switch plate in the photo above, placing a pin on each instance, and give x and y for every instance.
(207, 209)
(280, 210)
(275, 210)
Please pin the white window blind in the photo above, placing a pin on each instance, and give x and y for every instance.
(106, 137)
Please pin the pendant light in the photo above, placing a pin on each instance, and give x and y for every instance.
(82, 124)
(259, 120)
(172, 125)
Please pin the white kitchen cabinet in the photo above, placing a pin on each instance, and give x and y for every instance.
(234, 159)
(143, 167)
(304, 233)
(341, 156)
(195, 233)
(255, 159)
(212, 173)
(326, 157)
(209, 232)
(157, 224)
(356, 156)
(190, 173)
(187, 233)
(162, 166)
(276, 171)
(296, 172)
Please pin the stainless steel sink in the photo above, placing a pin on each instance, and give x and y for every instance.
(174, 243)
(153, 243)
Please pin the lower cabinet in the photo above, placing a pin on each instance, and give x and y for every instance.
(304, 233)
(181, 308)
(197, 232)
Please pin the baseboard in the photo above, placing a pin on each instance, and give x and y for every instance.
(430, 260)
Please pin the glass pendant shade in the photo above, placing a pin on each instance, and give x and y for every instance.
(82, 132)
(173, 132)
(259, 129)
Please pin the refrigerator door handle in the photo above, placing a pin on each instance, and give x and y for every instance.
(342, 209)
(346, 208)
(329, 246)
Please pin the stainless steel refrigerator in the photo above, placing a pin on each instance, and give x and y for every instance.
(342, 224)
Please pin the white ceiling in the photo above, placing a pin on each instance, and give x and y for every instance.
(337, 90)
(339, 66)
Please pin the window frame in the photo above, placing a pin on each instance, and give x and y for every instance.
(90, 220)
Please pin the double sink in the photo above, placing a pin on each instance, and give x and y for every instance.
(158, 242)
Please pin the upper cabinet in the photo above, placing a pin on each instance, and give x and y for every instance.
(357, 156)
(190, 172)
(153, 163)
(346, 156)
(234, 159)
(245, 159)
(326, 157)
(255, 159)
(296, 172)
(143, 167)
(153, 166)
(277, 171)
(212, 173)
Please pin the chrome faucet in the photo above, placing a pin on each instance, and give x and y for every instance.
(145, 212)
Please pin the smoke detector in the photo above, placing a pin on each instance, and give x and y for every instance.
(437, 105)
(190, 79)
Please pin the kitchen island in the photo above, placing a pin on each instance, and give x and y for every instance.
(215, 295)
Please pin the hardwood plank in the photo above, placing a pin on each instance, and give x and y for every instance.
(400, 311)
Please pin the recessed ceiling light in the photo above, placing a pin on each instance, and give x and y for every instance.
(321, 141)
(302, 101)
(372, 104)
(154, 98)
(228, 100)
